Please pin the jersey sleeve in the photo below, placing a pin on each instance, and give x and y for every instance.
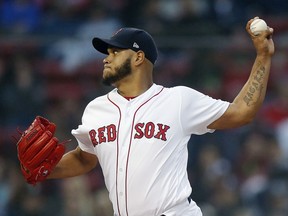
(82, 133)
(82, 136)
(198, 110)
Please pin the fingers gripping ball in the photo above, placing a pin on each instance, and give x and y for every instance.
(258, 26)
(39, 151)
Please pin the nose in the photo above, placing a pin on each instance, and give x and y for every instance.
(105, 61)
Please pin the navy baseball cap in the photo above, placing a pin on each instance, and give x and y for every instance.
(129, 38)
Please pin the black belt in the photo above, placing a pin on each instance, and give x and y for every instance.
(189, 200)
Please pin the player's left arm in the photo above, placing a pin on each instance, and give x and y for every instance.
(246, 104)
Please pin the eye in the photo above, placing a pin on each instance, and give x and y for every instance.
(114, 51)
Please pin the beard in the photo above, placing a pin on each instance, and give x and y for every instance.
(121, 72)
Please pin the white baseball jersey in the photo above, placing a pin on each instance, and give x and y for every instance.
(141, 145)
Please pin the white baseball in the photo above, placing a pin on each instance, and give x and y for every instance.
(258, 26)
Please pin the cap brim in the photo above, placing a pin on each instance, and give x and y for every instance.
(102, 44)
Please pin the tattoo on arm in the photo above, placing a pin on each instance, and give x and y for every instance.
(255, 86)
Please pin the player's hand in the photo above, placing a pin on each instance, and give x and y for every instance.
(263, 42)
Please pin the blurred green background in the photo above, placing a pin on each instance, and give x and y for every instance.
(48, 67)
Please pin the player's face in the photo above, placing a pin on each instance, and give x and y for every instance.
(112, 72)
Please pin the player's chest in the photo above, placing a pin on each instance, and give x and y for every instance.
(129, 123)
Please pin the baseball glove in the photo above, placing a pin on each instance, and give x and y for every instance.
(39, 151)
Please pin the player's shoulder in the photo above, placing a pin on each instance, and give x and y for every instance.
(98, 101)
(184, 93)
(182, 90)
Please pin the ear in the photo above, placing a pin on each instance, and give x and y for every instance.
(139, 58)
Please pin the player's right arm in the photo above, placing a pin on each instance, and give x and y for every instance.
(250, 98)
(74, 163)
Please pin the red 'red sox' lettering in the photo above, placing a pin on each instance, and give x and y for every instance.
(109, 134)
(149, 130)
(103, 134)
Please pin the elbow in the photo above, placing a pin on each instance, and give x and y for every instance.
(87, 160)
(243, 115)
(246, 119)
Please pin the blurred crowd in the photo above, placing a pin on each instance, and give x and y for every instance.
(48, 67)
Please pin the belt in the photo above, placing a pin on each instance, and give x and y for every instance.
(189, 201)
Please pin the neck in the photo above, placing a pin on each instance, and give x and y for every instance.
(133, 89)
(129, 98)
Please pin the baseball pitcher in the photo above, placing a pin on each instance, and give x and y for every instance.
(139, 131)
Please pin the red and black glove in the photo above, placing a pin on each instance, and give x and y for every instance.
(39, 151)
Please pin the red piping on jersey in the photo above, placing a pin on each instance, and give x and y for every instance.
(131, 135)
(117, 157)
